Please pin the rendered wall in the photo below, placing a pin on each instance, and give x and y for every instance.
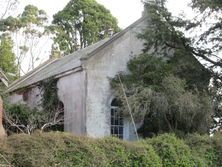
(71, 91)
(100, 68)
(30, 96)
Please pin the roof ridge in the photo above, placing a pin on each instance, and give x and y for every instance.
(113, 38)
(79, 55)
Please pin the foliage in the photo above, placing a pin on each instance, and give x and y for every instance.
(167, 103)
(209, 15)
(50, 103)
(202, 5)
(169, 32)
(7, 57)
(49, 115)
(82, 23)
(207, 148)
(50, 99)
(19, 118)
(30, 15)
(173, 152)
(26, 30)
(176, 110)
(199, 37)
(128, 154)
(62, 149)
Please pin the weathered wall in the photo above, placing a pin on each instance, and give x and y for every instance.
(16, 98)
(34, 97)
(31, 97)
(71, 91)
(106, 64)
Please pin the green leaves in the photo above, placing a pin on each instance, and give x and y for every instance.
(202, 5)
(7, 57)
(166, 95)
(82, 23)
(30, 15)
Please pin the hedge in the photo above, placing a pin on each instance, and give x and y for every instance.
(65, 150)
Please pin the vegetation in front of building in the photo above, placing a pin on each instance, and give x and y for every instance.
(166, 86)
(62, 149)
(49, 115)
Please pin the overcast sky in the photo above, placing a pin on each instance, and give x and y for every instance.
(126, 11)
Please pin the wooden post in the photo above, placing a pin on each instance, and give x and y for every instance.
(2, 130)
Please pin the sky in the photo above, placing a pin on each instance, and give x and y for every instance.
(126, 11)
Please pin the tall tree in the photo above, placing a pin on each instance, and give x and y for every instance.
(200, 37)
(6, 7)
(174, 95)
(81, 23)
(27, 31)
(7, 57)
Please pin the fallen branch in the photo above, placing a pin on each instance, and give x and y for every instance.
(12, 123)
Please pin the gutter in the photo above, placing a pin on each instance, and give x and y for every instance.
(66, 73)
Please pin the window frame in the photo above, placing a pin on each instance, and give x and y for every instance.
(116, 120)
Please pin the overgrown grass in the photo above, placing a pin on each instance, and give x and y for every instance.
(65, 150)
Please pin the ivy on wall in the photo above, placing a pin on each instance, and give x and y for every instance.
(51, 104)
(50, 99)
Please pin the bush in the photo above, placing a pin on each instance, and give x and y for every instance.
(65, 150)
(173, 151)
(209, 149)
(124, 154)
(53, 149)
(22, 116)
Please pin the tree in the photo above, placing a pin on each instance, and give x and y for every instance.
(171, 32)
(82, 23)
(177, 95)
(27, 30)
(200, 37)
(6, 7)
(7, 57)
(165, 100)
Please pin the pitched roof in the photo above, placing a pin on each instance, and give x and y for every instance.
(58, 66)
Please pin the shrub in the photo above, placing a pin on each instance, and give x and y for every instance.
(209, 149)
(53, 149)
(173, 151)
(124, 154)
(22, 116)
(65, 150)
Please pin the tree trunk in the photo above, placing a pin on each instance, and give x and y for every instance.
(2, 130)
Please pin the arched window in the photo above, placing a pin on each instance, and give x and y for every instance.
(116, 120)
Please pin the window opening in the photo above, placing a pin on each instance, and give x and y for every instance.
(116, 120)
